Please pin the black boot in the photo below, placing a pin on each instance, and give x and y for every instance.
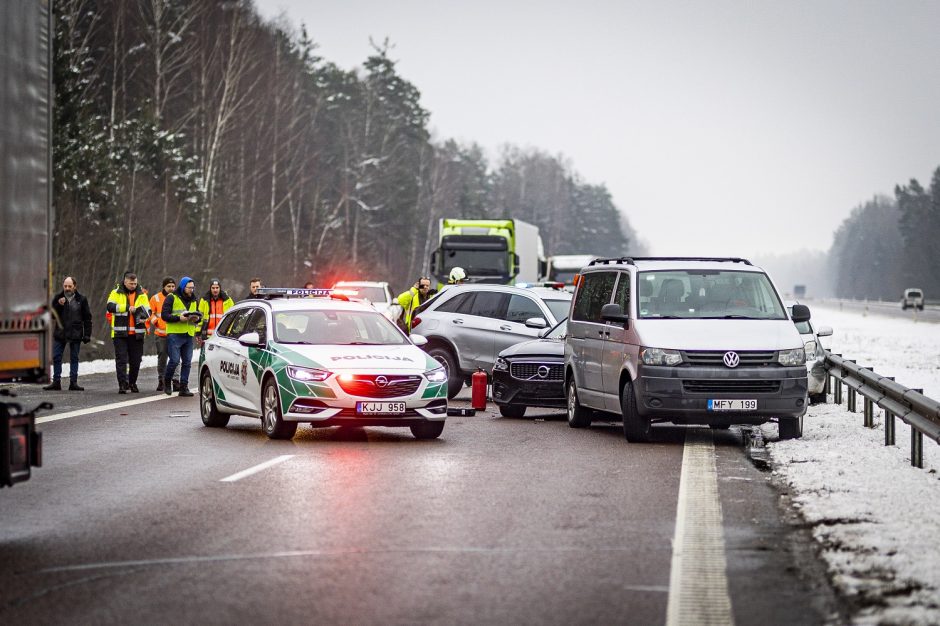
(73, 386)
(185, 392)
(168, 387)
(133, 388)
(55, 385)
(176, 385)
(160, 385)
(122, 387)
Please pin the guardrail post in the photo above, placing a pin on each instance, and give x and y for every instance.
(837, 393)
(827, 389)
(851, 400)
(869, 413)
(917, 444)
(889, 424)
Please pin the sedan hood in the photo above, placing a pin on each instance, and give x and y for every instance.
(718, 334)
(347, 358)
(536, 347)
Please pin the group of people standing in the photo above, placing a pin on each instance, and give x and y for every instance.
(177, 318)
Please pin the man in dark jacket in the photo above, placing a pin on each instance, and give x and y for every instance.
(72, 318)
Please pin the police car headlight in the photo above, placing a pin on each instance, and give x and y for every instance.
(660, 356)
(308, 374)
(792, 357)
(438, 375)
(501, 364)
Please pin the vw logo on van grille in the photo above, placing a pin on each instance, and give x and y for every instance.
(731, 359)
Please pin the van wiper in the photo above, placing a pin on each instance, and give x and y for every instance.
(731, 317)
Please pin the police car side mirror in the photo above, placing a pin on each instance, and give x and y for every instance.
(536, 322)
(250, 339)
(419, 340)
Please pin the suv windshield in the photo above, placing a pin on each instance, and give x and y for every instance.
(336, 328)
(559, 308)
(708, 294)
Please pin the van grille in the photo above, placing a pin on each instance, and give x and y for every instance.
(731, 386)
(716, 358)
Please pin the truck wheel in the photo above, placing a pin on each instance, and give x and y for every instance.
(636, 428)
(211, 416)
(790, 427)
(578, 416)
(512, 410)
(428, 430)
(454, 379)
(271, 419)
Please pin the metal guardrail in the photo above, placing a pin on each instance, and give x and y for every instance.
(921, 413)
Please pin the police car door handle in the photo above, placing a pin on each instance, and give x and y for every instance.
(505, 327)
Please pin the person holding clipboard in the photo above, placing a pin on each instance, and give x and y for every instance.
(182, 321)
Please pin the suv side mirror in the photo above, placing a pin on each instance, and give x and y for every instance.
(250, 339)
(800, 313)
(536, 322)
(614, 313)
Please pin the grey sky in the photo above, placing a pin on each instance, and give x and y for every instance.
(719, 127)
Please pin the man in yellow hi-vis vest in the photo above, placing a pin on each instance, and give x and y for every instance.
(182, 320)
(127, 305)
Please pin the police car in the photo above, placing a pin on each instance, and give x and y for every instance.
(311, 355)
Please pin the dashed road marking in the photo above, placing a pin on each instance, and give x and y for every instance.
(698, 583)
(257, 468)
(103, 407)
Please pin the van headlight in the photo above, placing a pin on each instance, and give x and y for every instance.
(792, 357)
(438, 375)
(810, 348)
(501, 364)
(660, 356)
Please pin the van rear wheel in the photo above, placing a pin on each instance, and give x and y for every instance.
(636, 428)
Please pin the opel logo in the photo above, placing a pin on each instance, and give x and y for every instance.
(732, 359)
(381, 381)
(543, 371)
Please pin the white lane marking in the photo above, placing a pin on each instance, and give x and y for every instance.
(257, 468)
(698, 583)
(103, 407)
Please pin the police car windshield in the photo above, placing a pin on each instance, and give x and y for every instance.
(339, 328)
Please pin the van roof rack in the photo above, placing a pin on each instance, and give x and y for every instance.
(628, 260)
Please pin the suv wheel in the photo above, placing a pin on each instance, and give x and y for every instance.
(211, 416)
(271, 420)
(790, 427)
(512, 410)
(578, 416)
(636, 428)
(454, 379)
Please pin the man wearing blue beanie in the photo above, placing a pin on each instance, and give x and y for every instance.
(182, 319)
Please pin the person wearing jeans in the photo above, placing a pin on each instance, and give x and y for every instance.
(182, 319)
(72, 328)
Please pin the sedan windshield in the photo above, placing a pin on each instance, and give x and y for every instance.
(348, 328)
(708, 294)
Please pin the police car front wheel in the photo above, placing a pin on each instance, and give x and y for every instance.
(211, 415)
(271, 419)
(428, 430)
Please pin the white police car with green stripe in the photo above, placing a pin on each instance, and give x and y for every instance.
(308, 355)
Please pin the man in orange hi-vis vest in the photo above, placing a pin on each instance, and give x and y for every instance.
(213, 306)
(158, 326)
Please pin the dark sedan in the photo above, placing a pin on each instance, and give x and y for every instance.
(531, 373)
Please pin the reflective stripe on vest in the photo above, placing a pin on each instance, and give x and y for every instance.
(181, 328)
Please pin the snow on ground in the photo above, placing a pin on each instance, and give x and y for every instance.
(100, 366)
(876, 517)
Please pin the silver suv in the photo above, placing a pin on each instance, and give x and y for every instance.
(683, 340)
(468, 325)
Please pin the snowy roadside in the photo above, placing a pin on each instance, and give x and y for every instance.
(102, 366)
(876, 518)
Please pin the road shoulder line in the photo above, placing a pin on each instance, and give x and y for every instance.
(97, 409)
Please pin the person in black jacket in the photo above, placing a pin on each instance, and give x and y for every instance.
(72, 318)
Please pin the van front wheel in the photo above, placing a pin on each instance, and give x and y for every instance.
(790, 427)
(636, 428)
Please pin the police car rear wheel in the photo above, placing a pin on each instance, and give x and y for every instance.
(273, 423)
(427, 430)
(211, 416)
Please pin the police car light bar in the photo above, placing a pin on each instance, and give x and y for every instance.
(549, 285)
(288, 292)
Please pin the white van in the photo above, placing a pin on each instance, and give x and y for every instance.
(683, 340)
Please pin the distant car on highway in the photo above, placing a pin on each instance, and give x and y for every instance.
(531, 373)
(377, 293)
(468, 325)
(913, 299)
(815, 356)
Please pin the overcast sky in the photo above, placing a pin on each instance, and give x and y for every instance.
(720, 127)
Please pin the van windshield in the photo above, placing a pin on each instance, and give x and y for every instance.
(708, 294)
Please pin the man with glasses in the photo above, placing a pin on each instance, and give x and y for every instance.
(410, 300)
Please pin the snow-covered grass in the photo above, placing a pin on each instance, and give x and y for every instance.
(876, 517)
(100, 366)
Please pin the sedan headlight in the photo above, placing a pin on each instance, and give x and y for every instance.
(792, 357)
(438, 375)
(501, 364)
(307, 374)
(810, 348)
(659, 356)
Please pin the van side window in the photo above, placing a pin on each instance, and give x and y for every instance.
(593, 295)
(622, 297)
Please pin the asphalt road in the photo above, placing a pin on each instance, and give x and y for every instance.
(500, 521)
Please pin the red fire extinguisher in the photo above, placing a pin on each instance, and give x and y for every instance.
(478, 390)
